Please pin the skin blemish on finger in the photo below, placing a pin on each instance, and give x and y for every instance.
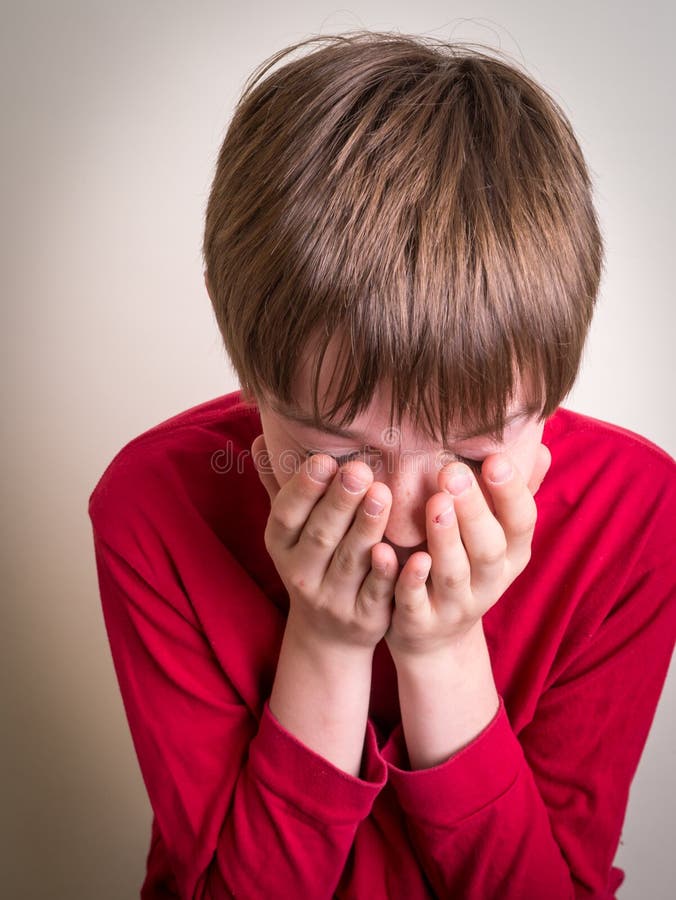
(446, 517)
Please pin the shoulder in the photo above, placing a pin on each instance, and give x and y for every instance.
(202, 425)
(195, 463)
(584, 448)
(604, 544)
(566, 429)
(611, 483)
(178, 517)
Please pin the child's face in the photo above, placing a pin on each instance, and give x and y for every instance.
(402, 458)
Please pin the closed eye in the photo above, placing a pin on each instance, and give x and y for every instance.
(474, 464)
(341, 460)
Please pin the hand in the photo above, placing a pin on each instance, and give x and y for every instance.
(472, 559)
(321, 539)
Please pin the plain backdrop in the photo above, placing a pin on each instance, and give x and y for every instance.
(112, 116)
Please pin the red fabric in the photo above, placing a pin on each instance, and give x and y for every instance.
(532, 808)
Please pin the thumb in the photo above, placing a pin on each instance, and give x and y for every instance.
(543, 461)
(262, 461)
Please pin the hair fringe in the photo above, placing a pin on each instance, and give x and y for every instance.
(424, 207)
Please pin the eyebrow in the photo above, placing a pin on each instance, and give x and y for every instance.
(303, 418)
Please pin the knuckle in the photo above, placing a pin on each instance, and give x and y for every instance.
(370, 596)
(464, 618)
(409, 605)
(298, 582)
(282, 519)
(343, 560)
(530, 521)
(320, 537)
(453, 580)
(490, 555)
(529, 517)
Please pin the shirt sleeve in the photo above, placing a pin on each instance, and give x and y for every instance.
(242, 807)
(540, 814)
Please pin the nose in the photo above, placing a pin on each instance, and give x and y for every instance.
(412, 481)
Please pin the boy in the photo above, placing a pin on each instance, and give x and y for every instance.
(433, 674)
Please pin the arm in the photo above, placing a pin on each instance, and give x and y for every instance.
(436, 635)
(248, 799)
(321, 535)
(464, 675)
(539, 813)
(468, 795)
(243, 807)
(321, 695)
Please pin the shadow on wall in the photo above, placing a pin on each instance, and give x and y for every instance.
(75, 803)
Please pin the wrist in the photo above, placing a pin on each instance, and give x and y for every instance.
(457, 653)
(325, 650)
(321, 695)
(446, 699)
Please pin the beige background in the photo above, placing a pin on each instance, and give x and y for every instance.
(112, 118)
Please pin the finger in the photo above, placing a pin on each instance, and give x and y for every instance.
(543, 461)
(330, 519)
(384, 560)
(481, 533)
(410, 592)
(450, 572)
(297, 497)
(263, 465)
(377, 589)
(352, 557)
(515, 507)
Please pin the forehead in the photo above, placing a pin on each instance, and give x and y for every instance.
(374, 422)
(373, 426)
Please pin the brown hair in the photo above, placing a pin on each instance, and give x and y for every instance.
(427, 203)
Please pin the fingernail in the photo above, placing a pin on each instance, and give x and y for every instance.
(458, 484)
(351, 483)
(502, 471)
(320, 472)
(373, 507)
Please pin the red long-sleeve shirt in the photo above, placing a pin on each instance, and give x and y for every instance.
(531, 809)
